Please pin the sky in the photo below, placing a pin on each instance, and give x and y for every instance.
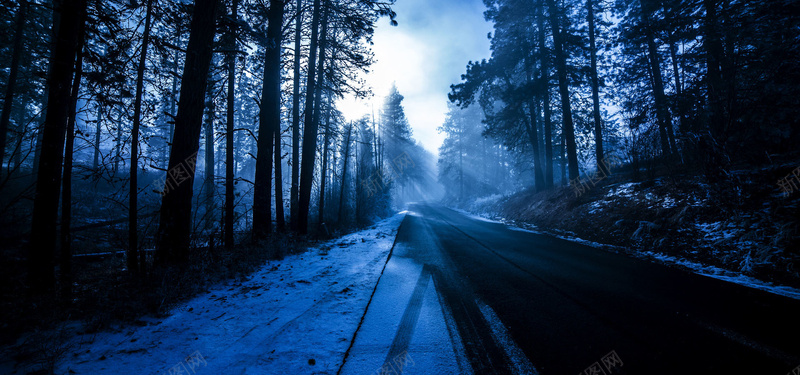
(426, 53)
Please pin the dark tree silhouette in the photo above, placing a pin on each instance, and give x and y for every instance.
(309, 133)
(175, 228)
(133, 205)
(45, 209)
(269, 121)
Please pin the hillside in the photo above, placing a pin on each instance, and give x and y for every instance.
(742, 226)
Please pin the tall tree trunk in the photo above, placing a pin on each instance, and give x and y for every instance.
(334, 165)
(563, 158)
(359, 177)
(133, 205)
(533, 134)
(461, 164)
(379, 146)
(684, 123)
(229, 132)
(729, 68)
(172, 97)
(310, 131)
(97, 129)
(324, 171)
(568, 129)
(48, 181)
(118, 147)
(8, 100)
(375, 140)
(66, 190)
(598, 122)
(545, 87)
(269, 120)
(208, 175)
(280, 216)
(56, 26)
(120, 143)
(662, 112)
(293, 192)
(712, 149)
(175, 225)
(37, 148)
(22, 129)
(713, 51)
(346, 157)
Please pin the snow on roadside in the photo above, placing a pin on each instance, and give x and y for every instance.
(296, 315)
(530, 228)
(700, 269)
(725, 275)
(476, 217)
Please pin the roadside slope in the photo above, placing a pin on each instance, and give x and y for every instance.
(744, 227)
(295, 315)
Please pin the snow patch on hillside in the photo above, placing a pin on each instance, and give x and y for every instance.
(725, 275)
(713, 232)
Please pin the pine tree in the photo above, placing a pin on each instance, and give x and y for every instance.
(174, 230)
(269, 121)
(45, 210)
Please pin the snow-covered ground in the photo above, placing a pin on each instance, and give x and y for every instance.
(294, 316)
(405, 329)
(359, 304)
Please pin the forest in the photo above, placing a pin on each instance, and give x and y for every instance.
(173, 132)
(150, 149)
(699, 86)
(658, 125)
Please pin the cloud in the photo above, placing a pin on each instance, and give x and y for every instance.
(424, 55)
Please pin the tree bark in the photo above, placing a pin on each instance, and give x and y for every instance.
(66, 190)
(56, 26)
(8, 100)
(342, 191)
(310, 131)
(208, 175)
(683, 126)
(172, 98)
(713, 49)
(563, 158)
(461, 163)
(533, 135)
(293, 192)
(280, 216)
(48, 182)
(97, 129)
(133, 210)
(598, 122)
(118, 147)
(176, 205)
(229, 132)
(269, 120)
(22, 129)
(568, 130)
(545, 87)
(324, 171)
(662, 113)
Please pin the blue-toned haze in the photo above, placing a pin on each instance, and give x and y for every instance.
(425, 54)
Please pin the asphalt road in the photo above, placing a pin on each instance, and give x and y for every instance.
(567, 306)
